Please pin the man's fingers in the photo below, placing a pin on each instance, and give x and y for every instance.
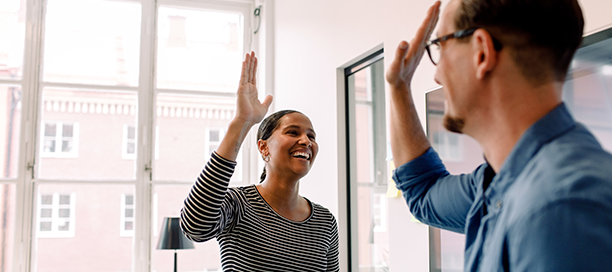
(400, 53)
(267, 102)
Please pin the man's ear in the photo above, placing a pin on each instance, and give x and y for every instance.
(486, 56)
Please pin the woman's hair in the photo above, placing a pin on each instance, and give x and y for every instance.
(268, 126)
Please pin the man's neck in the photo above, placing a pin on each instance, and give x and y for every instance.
(511, 112)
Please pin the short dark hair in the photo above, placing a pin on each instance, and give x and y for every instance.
(542, 35)
(268, 126)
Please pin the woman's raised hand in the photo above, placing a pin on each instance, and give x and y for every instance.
(248, 108)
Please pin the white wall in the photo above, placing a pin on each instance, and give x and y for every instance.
(312, 39)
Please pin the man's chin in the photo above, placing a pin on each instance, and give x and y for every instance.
(453, 124)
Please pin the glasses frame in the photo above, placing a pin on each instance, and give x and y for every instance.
(457, 35)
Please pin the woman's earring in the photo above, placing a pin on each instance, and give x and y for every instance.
(266, 158)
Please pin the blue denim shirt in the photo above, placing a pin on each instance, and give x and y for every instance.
(548, 209)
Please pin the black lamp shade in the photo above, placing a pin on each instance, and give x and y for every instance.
(172, 237)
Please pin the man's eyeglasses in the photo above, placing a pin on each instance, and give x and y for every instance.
(434, 53)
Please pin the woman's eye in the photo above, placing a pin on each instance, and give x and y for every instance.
(291, 132)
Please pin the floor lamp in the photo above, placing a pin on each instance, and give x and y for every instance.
(172, 237)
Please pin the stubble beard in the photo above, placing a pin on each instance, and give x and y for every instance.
(453, 124)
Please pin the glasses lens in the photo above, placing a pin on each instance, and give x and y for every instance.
(434, 53)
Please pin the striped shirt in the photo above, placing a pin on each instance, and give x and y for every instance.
(252, 236)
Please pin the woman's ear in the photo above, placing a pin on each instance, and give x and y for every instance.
(262, 146)
(485, 58)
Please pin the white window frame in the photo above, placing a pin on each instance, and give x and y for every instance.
(123, 219)
(55, 219)
(33, 86)
(59, 126)
(125, 141)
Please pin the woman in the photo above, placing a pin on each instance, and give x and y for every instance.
(269, 226)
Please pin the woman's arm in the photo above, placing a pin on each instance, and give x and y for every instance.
(208, 209)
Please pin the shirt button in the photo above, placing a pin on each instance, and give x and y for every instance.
(498, 204)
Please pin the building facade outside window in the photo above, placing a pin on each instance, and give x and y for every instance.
(61, 140)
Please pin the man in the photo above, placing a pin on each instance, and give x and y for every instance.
(543, 199)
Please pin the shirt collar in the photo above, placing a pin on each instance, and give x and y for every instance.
(553, 124)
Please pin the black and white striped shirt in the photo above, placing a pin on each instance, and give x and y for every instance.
(252, 236)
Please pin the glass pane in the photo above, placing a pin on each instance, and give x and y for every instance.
(64, 226)
(182, 151)
(10, 126)
(129, 200)
(205, 256)
(63, 213)
(82, 45)
(129, 213)
(199, 50)
(131, 132)
(371, 214)
(44, 213)
(82, 243)
(46, 199)
(214, 136)
(452, 148)
(12, 40)
(50, 129)
(7, 224)
(96, 119)
(67, 130)
(45, 226)
(129, 225)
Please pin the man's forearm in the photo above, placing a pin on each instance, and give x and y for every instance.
(408, 140)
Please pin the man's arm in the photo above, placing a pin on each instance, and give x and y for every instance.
(408, 139)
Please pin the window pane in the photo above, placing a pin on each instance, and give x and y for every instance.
(129, 213)
(96, 215)
(96, 120)
(67, 130)
(205, 256)
(180, 143)
(12, 40)
(45, 226)
(129, 200)
(214, 136)
(44, 213)
(10, 125)
(129, 225)
(193, 43)
(131, 132)
(46, 199)
(63, 213)
(7, 224)
(83, 45)
(50, 129)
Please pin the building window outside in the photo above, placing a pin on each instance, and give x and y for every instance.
(56, 215)
(379, 212)
(213, 140)
(448, 145)
(128, 148)
(60, 140)
(127, 215)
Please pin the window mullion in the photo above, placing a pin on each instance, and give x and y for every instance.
(144, 139)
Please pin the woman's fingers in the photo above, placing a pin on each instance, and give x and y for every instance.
(254, 80)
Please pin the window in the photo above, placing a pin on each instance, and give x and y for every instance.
(127, 215)
(366, 147)
(128, 148)
(117, 109)
(213, 140)
(56, 215)
(61, 139)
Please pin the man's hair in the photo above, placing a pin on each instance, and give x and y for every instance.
(542, 35)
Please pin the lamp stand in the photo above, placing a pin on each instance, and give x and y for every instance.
(175, 261)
